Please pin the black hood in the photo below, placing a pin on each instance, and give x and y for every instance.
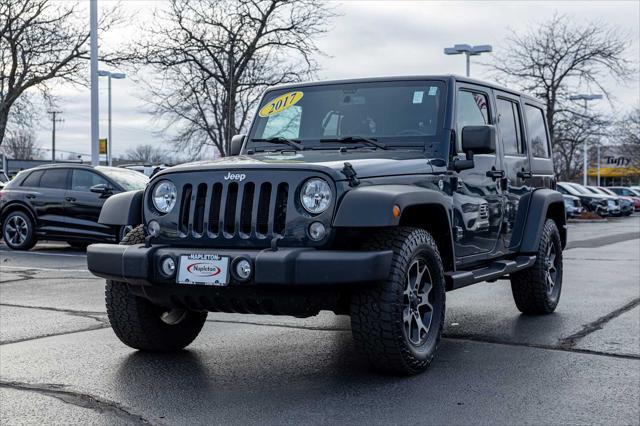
(366, 163)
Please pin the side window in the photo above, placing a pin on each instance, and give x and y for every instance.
(509, 125)
(472, 109)
(285, 124)
(83, 180)
(538, 141)
(33, 180)
(54, 178)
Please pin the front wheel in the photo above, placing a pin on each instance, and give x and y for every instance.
(397, 324)
(536, 290)
(140, 324)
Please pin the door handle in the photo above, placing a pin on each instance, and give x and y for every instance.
(70, 199)
(524, 175)
(495, 174)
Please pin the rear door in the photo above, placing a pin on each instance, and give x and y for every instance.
(477, 201)
(47, 197)
(515, 163)
(82, 207)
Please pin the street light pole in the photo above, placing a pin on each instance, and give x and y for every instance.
(468, 51)
(95, 130)
(109, 76)
(585, 164)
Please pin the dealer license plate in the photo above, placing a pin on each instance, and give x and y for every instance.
(203, 269)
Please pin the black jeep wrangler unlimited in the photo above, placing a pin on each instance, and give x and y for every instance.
(370, 198)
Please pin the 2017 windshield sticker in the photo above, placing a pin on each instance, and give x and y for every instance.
(280, 103)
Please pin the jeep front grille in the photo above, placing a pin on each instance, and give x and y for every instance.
(231, 209)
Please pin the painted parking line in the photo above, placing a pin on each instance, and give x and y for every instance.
(42, 254)
(33, 268)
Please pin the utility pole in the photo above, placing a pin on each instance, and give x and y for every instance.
(54, 120)
(95, 112)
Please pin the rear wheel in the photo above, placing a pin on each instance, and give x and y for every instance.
(18, 231)
(397, 324)
(536, 290)
(140, 324)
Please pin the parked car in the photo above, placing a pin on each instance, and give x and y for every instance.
(613, 202)
(62, 202)
(4, 179)
(342, 199)
(626, 203)
(572, 205)
(591, 202)
(627, 192)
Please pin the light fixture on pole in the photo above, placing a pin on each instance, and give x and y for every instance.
(586, 98)
(468, 51)
(117, 76)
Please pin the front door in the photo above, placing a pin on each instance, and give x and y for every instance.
(477, 201)
(82, 206)
(515, 163)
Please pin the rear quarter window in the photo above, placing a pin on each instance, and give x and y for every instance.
(33, 179)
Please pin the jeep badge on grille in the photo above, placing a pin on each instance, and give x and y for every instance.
(235, 176)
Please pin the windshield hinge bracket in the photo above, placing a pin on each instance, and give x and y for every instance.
(350, 174)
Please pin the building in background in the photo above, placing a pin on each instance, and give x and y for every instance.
(616, 168)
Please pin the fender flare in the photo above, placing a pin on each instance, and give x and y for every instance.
(372, 206)
(543, 203)
(18, 205)
(124, 208)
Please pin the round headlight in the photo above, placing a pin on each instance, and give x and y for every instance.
(315, 195)
(164, 196)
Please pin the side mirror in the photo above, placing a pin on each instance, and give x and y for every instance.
(478, 140)
(236, 144)
(101, 188)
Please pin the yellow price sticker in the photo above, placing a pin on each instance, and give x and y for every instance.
(280, 103)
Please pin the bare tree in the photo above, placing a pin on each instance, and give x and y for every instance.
(212, 58)
(40, 41)
(572, 131)
(556, 58)
(21, 144)
(626, 135)
(147, 154)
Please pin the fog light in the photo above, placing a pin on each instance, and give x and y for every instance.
(154, 228)
(168, 266)
(243, 269)
(317, 231)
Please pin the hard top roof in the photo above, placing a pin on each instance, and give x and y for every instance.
(451, 78)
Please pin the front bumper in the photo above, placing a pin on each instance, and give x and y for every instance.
(139, 265)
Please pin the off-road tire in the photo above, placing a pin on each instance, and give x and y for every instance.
(377, 310)
(530, 287)
(137, 322)
(12, 220)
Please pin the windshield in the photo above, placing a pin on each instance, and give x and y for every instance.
(128, 179)
(393, 113)
(580, 189)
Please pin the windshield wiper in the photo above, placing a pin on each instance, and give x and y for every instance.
(280, 140)
(356, 139)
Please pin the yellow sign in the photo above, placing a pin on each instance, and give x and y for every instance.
(103, 146)
(280, 103)
(614, 171)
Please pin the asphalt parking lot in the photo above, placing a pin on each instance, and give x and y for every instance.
(61, 364)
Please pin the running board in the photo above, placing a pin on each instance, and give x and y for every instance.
(494, 271)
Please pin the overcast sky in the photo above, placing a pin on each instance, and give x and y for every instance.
(367, 39)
